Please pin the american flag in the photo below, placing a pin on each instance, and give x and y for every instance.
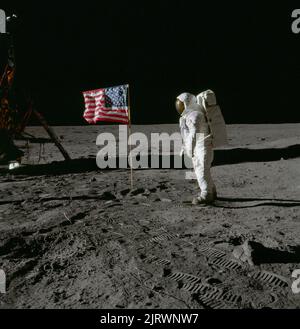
(106, 104)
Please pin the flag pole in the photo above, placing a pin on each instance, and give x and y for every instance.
(129, 132)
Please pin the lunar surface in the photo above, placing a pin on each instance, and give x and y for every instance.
(76, 236)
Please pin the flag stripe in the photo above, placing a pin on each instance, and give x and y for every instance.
(92, 106)
(105, 110)
(92, 95)
(92, 99)
(110, 117)
(99, 108)
(91, 115)
(112, 120)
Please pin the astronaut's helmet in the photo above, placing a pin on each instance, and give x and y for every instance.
(184, 101)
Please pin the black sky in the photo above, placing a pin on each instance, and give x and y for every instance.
(247, 53)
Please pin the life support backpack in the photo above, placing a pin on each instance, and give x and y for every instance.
(214, 117)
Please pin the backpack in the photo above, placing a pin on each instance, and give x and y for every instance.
(214, 118)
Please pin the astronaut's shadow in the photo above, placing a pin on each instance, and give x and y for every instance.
(240, 155)
(222, 202)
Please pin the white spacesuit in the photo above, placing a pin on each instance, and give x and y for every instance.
(197, 143)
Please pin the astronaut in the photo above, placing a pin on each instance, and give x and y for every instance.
(197, 144)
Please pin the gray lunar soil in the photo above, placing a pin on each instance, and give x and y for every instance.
(85, 240)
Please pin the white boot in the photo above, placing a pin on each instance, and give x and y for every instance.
(209, 199)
